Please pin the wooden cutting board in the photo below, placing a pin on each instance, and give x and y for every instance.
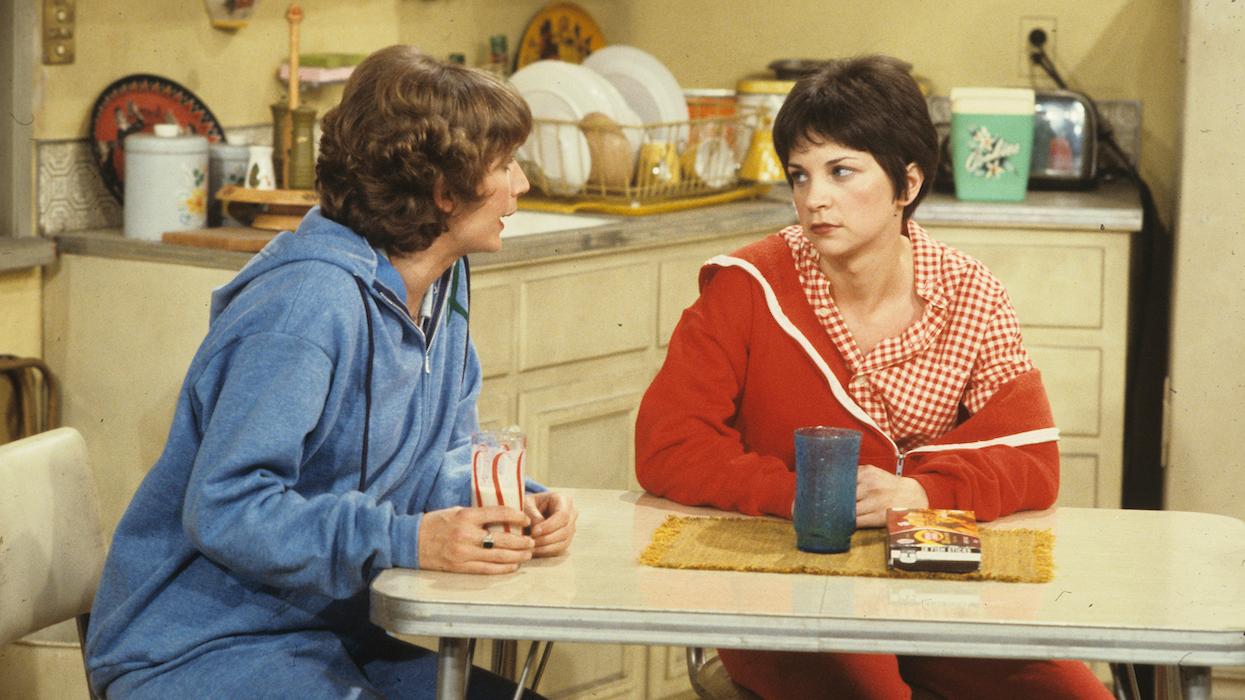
(237, 238)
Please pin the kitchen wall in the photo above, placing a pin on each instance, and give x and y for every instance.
(1207, 423)
(1112, 49)
(21, 313)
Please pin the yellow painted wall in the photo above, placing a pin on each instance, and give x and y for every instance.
(233, 72)
(21, 313)
(1207, 424)
(154, 315)
(1112, 49)
(121, 333)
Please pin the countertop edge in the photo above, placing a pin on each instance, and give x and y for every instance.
(1112, 208)
(25, 253)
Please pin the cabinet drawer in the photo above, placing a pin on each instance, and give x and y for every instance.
(586, 314)
(1055, 286)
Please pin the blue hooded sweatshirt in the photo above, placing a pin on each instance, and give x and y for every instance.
(253, 521)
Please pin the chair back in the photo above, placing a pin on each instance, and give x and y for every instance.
(29, 398)
(51, 541)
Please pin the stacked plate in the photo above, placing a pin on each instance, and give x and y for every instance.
(647, 85)
(557, 91)
(627, 85)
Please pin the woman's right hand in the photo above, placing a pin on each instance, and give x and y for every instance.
(453, 540)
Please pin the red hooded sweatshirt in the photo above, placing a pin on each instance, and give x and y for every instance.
(749, 363)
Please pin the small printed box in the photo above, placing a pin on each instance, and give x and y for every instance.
(926, 539)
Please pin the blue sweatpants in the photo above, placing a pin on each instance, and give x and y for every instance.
(305, 666)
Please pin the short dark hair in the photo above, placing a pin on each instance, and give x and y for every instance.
(407, 121)
(867, 103)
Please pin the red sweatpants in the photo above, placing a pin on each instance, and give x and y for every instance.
(781, 675)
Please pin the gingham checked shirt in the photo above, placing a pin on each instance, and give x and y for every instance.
(963, 348)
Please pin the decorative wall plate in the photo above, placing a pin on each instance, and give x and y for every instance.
(562, 31)
(134, 104)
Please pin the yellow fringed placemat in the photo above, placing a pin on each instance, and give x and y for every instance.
(750, 544)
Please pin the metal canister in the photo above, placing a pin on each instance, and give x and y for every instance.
(765, 97)
(282, 135)
(302, 153)
(166, 179)
(226, 166)
(712, 112)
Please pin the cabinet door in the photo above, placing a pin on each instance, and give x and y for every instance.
(1070, 291)
(592, 672)
(581, 433)
(667, 674)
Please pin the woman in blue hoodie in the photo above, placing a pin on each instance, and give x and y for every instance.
(323, 430)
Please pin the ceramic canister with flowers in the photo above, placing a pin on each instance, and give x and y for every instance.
(165, 182)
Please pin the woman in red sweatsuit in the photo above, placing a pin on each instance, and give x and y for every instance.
(857, 318)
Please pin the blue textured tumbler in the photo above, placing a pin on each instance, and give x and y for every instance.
(825, 488)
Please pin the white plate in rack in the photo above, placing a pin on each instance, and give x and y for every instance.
(555, 91)
(585, 90)
(644, 82)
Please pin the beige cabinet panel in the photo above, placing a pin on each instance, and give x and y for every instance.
(585, 314)
(1073, 379)
(667, 674)
(1052, 285)
(581, 434)
(1070, 290)
(493, 327)
(678, 285)
(596, 671)
(495, 407)
(1078, 480)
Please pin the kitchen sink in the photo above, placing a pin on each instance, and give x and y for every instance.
(526, 223)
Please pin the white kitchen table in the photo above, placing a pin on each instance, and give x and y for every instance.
(1152, 587)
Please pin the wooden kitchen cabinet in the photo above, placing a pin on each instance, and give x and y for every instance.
(1070, 290)
(568, 347)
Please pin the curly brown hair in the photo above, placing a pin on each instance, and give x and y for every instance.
(407, 122)
(867, 103)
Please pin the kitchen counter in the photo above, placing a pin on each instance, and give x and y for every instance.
(23, 253)
(1111, 207)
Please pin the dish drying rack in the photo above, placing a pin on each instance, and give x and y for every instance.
(597, 165)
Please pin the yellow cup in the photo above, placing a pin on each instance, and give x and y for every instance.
(761, 163)
(657, 166)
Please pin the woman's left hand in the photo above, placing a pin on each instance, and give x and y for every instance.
(553, 522)
(878, 489)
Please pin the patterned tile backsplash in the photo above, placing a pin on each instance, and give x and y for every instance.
(72, 197)
(70, 194)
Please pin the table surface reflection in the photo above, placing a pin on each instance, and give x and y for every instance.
(1161, 587)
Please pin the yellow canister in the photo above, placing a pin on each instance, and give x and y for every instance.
(759, 160)
(758, 93)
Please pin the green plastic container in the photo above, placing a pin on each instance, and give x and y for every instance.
(991, 143)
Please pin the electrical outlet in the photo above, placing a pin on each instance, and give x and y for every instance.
(1027, 25)
(58, 31)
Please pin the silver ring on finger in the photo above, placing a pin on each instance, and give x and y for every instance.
(487, 542)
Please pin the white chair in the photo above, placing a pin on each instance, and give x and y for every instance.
(51, 542)
(709, 678)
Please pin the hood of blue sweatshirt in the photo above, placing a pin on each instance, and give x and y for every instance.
(263, 514)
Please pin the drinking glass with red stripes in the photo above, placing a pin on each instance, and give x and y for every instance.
(497, 463)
